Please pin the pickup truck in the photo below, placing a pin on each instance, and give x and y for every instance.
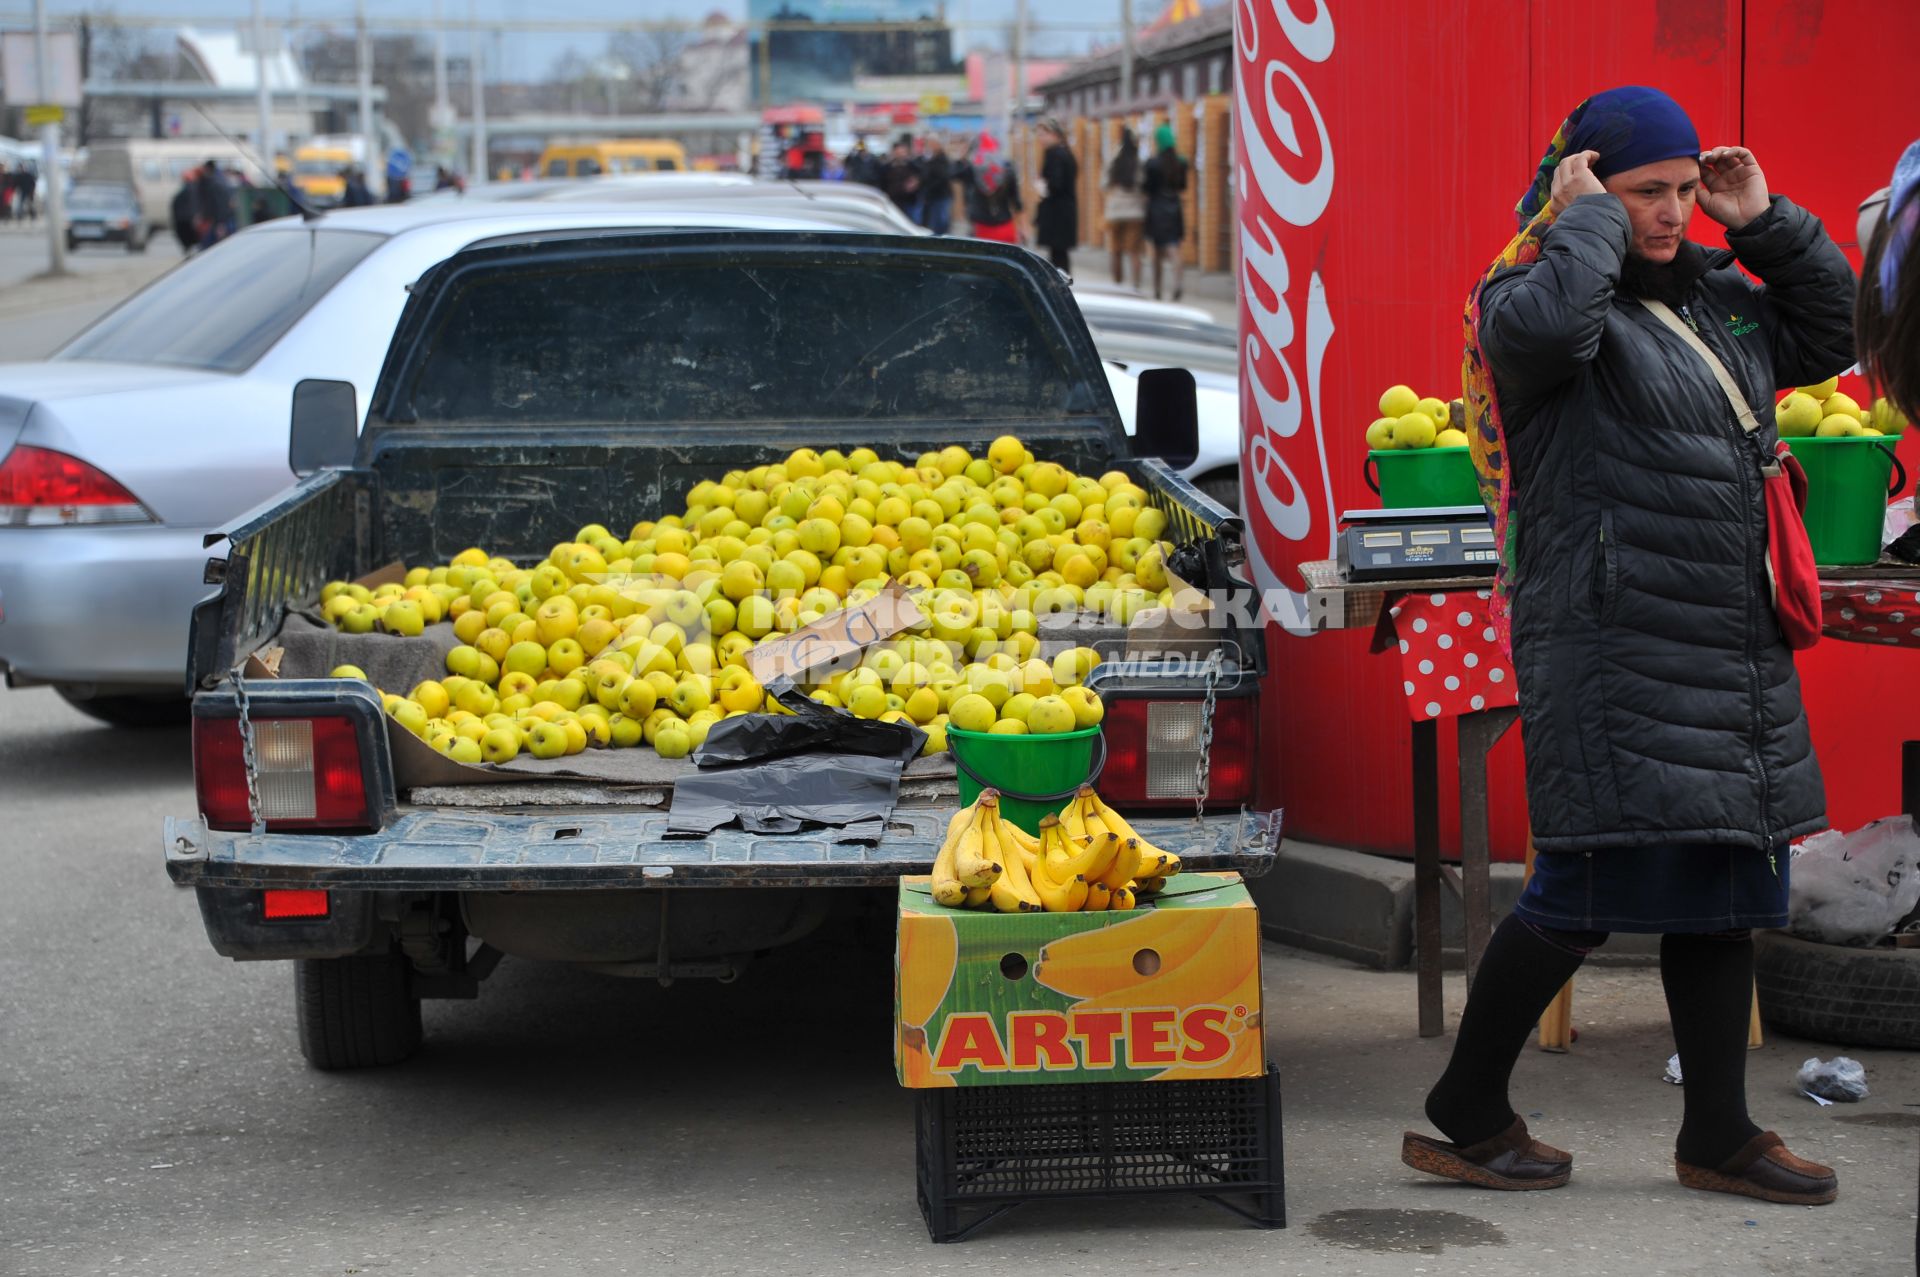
(540, 380)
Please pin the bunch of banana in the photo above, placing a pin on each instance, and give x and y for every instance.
(1102, 845)
(973, 867)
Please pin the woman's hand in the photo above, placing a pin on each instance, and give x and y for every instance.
(1733, 190)
(1572, 178)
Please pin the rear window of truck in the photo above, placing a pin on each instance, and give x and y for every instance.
(639, 342)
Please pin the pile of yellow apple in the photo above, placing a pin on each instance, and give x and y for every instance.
(1822, 411)
(1408, 421)
(614, 641)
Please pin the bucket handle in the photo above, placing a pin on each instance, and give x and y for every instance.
(1367, 468)
(1099, 765)
(1898, 470)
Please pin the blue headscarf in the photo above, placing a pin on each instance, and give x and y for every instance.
(1903, 218)
(1629, 126)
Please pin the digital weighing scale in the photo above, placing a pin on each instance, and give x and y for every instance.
(1416, 544)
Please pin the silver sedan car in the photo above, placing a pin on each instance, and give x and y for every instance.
(121, 453)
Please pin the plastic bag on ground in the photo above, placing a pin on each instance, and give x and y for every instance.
(1841, 1079)
(1855, 888)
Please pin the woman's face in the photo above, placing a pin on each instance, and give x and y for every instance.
(1659, 201)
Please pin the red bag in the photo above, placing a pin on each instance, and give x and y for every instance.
(1790, 570)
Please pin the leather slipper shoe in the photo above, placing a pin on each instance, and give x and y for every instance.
(1512, 1160)
(1763, 1168)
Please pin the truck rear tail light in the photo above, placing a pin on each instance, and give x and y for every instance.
(308, 774)
(1153, 745)
(43, 488)
(278, 905)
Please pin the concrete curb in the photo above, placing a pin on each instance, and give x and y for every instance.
(1359, 906)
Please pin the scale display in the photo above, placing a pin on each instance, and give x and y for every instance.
(1417, 544)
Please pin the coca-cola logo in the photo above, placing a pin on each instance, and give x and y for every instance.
(1285, 170)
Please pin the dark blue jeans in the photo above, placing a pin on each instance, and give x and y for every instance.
(937, 215)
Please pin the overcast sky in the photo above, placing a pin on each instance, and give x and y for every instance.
(1076, 23)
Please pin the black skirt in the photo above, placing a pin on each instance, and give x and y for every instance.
(1673, 887)
(1166, 223)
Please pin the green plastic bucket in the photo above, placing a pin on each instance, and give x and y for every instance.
(1034, 774)
(1849, 479)
(1416, 477)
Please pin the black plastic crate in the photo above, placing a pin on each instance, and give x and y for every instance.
(982, 1150)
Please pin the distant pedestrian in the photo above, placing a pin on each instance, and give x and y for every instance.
(1166, 223)
(902, 181)
(26, 193)
(213, 204)
(936, 188)
(182, 211)
(1057, 219)
(862, 166)
(1126, 207)
(355, 194)
(993, 192)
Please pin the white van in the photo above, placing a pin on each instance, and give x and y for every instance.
(154, 167)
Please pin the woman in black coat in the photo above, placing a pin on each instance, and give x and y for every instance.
(1057, 220)
(1668, 758)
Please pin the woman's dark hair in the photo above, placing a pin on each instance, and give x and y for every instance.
(1124, 171)
(1887, 329)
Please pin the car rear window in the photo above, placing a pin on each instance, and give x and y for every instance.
(781, 340)
(224, 308)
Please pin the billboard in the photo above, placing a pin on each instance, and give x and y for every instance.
(818, 50)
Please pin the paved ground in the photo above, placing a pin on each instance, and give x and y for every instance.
(157, 1118)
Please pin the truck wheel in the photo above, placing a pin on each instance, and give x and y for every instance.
(356, 1012)
(1223, 486)
(1837, 993)
(169, 709)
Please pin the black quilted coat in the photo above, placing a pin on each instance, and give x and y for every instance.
(1658, 701)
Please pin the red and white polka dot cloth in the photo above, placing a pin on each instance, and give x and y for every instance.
(1450, 660)
(1872, 611)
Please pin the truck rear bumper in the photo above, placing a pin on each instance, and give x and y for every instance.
(453, 850)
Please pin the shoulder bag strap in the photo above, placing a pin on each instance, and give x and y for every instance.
(1742, 411)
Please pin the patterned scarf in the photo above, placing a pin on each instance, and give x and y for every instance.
(1486, 434)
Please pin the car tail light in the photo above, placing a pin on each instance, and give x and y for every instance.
(278, 906)
(307, 773)
(1153, 745)
(40, 488)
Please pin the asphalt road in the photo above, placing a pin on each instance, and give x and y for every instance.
(156, 1117)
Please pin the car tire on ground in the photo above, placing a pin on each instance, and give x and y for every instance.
(1223, 486)
(1837, 993)
(356, 1013)
(164, 710)
(136, 245)
(73, 245)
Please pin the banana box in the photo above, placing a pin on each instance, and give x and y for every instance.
(1162, 992)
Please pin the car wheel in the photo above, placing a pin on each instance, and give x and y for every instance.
(356, 1013)
(164, 710)
(1223, 486)
(1837, 993)
(73, 245)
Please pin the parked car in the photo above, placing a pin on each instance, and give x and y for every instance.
(121, 453)
(106, 213)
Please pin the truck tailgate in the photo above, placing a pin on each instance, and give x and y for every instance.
(546, 850)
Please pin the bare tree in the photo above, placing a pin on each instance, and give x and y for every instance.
(655, 58)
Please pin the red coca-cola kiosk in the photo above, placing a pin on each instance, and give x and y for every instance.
(1379, 147)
